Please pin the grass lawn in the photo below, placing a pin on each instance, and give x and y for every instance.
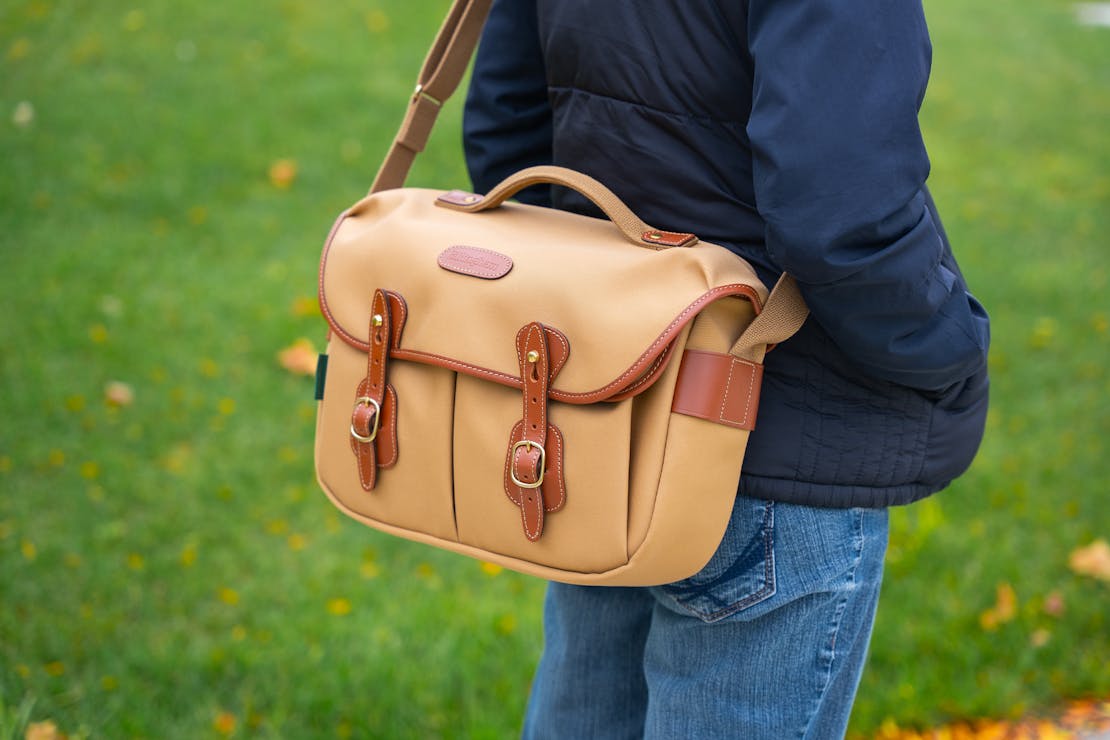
(168, 567)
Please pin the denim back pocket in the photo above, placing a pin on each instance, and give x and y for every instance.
(739, 575)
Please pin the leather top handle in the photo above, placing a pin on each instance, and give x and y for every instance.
(635, 230)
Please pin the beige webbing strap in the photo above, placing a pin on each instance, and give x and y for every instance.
(439, 78)
(782, 315)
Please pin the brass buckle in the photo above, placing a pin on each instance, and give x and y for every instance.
(543, 463)
(367, 401)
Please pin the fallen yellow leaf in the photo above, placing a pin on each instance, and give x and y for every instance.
(117, 393)
(1092, 560)
(43, 731)
(224, 723)
(282, 173)
(1004, 609)
(299, 358)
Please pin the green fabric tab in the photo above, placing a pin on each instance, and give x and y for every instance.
(321, 376)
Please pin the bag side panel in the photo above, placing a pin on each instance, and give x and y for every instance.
(651, 413)
(589, 533)
(697, 488)
(699, 463)
(414, 494)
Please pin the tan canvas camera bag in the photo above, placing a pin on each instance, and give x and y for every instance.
(565, 396)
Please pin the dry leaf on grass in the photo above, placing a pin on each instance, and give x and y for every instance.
(1004, 609)
(299, 358)
(43, 731)
(119, 394)
(282, 173)
(1092, 560)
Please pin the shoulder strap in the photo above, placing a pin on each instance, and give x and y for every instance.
(783, 314)
(439, 78)
(443, 69)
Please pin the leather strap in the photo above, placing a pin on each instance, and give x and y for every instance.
(719, 388)
(534, 462)
(374, 418)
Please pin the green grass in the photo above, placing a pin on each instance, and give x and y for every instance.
(171, 562)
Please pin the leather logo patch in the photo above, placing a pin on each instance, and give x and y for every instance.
(476, 262)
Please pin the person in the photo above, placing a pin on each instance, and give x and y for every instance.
(787, 132)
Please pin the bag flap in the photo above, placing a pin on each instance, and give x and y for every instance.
(470, 281)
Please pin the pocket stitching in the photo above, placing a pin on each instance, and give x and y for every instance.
(766, 591)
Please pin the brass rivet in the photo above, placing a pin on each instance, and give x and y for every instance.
(655, 236)
(377, 320)
(471, 199)
(533, 356)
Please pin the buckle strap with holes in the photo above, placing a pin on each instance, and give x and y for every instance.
(374, 418)
(534, 463)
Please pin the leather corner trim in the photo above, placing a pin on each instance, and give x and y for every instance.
(475, 261)
(718, 387)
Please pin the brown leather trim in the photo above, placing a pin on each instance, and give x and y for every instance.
(719, 388)
(657, 237)
(558, 350)
(531, 342)
(382, 453)
(369, 454)
(533, 462)
(552, 494)
(600, 394)
(386, 443)
(648, 379)
(475, 262)
(398, 314)
(644, 361)
(379, 347)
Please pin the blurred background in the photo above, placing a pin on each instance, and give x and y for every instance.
(168, 567)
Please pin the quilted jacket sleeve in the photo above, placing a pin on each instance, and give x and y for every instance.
(839, 169)
(507, 120)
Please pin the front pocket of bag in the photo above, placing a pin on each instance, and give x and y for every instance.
(589, 533)
(741, 572)
(416, 493)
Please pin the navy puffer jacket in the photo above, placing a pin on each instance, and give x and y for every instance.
(787, 132)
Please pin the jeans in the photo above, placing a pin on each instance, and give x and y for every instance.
(767, 641)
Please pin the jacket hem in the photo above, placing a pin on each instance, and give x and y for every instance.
(831, 496)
